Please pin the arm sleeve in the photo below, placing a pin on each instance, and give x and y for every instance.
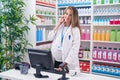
(51, 35)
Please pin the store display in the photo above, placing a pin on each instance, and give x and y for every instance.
(105, 35)
(100, 28)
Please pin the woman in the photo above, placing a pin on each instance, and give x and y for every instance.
(66, 39)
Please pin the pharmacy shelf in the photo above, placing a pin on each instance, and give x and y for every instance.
(43, 42)
(114, 14)
(80, 15)
(103, 61)
(111, 42)
(85, 40)
(100, 5)
(105, 25)
(112, 25)
(84, 59)
(74, 6)
(45, 4)
(45, 15)
(85, 25)
(103, 74)
(46, 25)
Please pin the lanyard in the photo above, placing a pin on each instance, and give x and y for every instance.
(63, 34)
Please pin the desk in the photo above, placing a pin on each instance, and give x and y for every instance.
(16, 75)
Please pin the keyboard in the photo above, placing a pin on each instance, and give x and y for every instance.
(53, 71)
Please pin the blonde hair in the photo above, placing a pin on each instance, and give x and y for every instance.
(75, 17)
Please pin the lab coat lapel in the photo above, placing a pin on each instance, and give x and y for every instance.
(68, 32)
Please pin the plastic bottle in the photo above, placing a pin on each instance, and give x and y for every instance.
(95, 35)
(107, 36)
(111, 1)
(111, 21)
(81, 52)
(88, 34)
(81, 20)
(37, 35)
(99, 53)
(112, 35)
(83, 34)
(94, 55)
(109, 54)
(99, 2)
(115, 55)
(89, 20)
(88, 53)
(98, 35)
(85, 53)
(119, 55)
(107, 2)
(94, 2)
(102, 1)
(104, 53)
(118, 35)
(103, 35)
(115, 1)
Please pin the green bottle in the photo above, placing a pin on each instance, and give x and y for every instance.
(94, 2)
(118, 35)
(112, 35)
(111, 1)
(102, 1)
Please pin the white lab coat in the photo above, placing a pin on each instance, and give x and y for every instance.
(70, 46)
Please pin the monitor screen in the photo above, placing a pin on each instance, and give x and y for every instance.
(41, 57)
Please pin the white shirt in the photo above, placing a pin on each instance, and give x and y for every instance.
(57, 54)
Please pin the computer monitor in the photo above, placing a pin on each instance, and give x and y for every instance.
(40, 59)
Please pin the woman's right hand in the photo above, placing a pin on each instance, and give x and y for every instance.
(61, 20)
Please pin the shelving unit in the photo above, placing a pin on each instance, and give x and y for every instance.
(92, 25)
(46, 14)
(106, 18)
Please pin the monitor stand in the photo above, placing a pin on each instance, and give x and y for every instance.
(38, 72)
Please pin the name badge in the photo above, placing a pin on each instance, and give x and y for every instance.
(59, 48)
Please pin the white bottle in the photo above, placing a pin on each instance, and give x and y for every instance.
(81, 20)
(89, 20)
(86, 20)
(79, 11)
(115, 1)
(107, 2)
